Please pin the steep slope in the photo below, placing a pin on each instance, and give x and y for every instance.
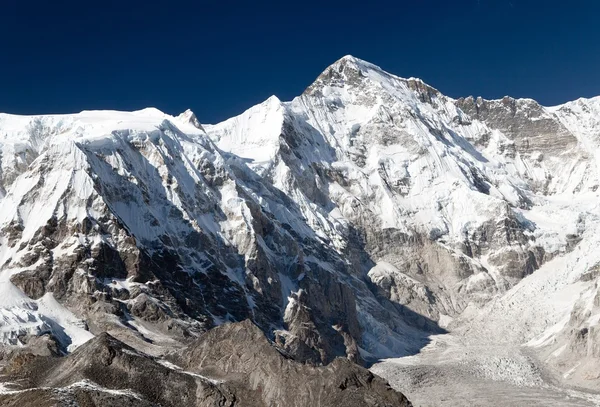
(442, 205)
(141, 227)
(397, 168)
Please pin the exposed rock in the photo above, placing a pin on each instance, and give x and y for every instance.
(241, 355)
(230, 365)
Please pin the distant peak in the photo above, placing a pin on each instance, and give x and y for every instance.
(350, 71)
(347, 69)
(272, 100)
(190, 117)
(351, 60)
(149, 111)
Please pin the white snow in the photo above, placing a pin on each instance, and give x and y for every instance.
(20, 314)
(253, 135)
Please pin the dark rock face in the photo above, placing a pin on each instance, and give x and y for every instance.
(522, 120)
(241, 355)
(535, 134)
(109, 364)
(231, 365)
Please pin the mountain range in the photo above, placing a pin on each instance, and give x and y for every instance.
(370, 218)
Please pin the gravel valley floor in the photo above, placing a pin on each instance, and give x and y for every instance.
(451, 372)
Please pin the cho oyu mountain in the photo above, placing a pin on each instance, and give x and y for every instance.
(357, 220)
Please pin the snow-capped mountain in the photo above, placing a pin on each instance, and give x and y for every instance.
(358, 219)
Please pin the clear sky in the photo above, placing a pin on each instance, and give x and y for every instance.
(220, 57)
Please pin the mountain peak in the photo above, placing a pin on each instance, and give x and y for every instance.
(346, 70)
(352, 71)
(190, 117)
(252, 135)
(356, 62)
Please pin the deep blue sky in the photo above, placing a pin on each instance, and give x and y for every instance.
(221, 57)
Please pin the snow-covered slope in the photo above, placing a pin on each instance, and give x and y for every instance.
(141, 226)
(252, 135)
(403, 164)
(356, 219)
(454, 201)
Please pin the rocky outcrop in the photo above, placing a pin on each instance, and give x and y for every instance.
(537, 136)
(106, 372)
(231, 365)
(241, 355)
(524, 121)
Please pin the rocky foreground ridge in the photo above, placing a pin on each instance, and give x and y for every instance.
(231, 365)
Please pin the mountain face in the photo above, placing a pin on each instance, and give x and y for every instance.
(356, 220)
